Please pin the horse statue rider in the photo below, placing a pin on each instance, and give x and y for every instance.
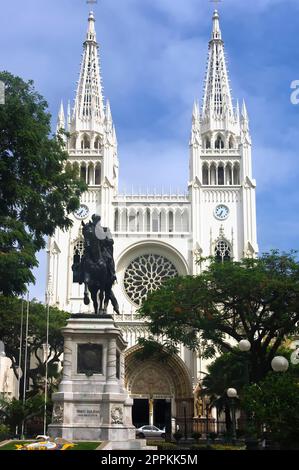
(96, 268)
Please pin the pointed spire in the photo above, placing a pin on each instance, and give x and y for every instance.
(195, 131)
(216, 32)
(114, 135)
(238, 112)
(91, 32)
(108, 115)
(195, 113)
(244, 119)
(61, 118)
(89, 106)
(244, 112)
(217, 101)
(68, 116)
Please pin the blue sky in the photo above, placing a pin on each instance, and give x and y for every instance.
(153, 59)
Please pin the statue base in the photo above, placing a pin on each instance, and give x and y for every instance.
(92, 403)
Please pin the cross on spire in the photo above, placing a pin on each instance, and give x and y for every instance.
(215, 1)
(91, 2)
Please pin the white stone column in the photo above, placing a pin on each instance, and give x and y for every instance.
(151, 411)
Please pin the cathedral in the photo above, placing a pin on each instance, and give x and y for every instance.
(157, 236)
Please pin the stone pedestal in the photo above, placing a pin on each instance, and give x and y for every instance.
(92, 403)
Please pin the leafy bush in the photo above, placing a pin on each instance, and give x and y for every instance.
(196, 435)
(163, 445)
(5, 432)
(227, 447)
(177, 435)
(213, 435)
(274, 403)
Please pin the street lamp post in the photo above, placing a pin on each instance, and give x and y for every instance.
(245, 346)
(184, 403)
(207, 423)
(232, 395)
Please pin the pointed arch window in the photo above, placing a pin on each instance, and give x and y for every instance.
(148, 220)
(170, 222)
(205, 174)
(85, 143)
(208, 143)
(228, 175)
(220, 175)
(155, 221)
(97, 143)
(116, 220)
(213, 174)
(83, 173)
(97, 174)
(77, 256)
(223, 251)
(219, 144)
(236, 174)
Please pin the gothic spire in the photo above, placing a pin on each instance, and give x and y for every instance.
(195, 131)
(61, 118)
(89, 106)
(217, 102)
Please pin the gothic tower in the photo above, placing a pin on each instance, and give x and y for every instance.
(221, 187)
(92, 149)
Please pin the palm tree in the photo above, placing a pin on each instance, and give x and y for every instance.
(225, 372)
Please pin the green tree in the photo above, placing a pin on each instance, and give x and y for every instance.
(273, 404)
(37, 189)
(10, 322)
(14, 412)
(225, 372)
(256, 299)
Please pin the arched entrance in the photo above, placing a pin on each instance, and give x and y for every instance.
(160, 390)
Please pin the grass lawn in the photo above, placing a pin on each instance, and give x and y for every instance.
(86, 446)
(78, 446)
(164, 446)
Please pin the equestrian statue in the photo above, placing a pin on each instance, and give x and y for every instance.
(96, 268)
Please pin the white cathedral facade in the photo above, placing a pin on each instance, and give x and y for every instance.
(157, 236)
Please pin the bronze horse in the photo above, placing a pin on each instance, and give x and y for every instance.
(95, 274)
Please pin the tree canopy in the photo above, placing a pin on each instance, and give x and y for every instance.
(273, 405)
(256, 299)
(37, 189)
(10, 325)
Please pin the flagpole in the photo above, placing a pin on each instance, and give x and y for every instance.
(20, 355)
(26, 353)
(46, 374)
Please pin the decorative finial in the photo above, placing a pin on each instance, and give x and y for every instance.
(91, 2)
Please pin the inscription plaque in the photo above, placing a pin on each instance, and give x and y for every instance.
(90, 359)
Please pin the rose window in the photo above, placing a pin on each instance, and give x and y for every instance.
(146, 274)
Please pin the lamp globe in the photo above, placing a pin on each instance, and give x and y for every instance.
(280, 364)
(232, 393)
(244, 345)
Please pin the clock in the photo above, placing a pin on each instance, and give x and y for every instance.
(221, 212)
(82, 212)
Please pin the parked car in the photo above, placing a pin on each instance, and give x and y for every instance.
(150, 431)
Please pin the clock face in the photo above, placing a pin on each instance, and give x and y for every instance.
(82, 212)
(221, 212)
